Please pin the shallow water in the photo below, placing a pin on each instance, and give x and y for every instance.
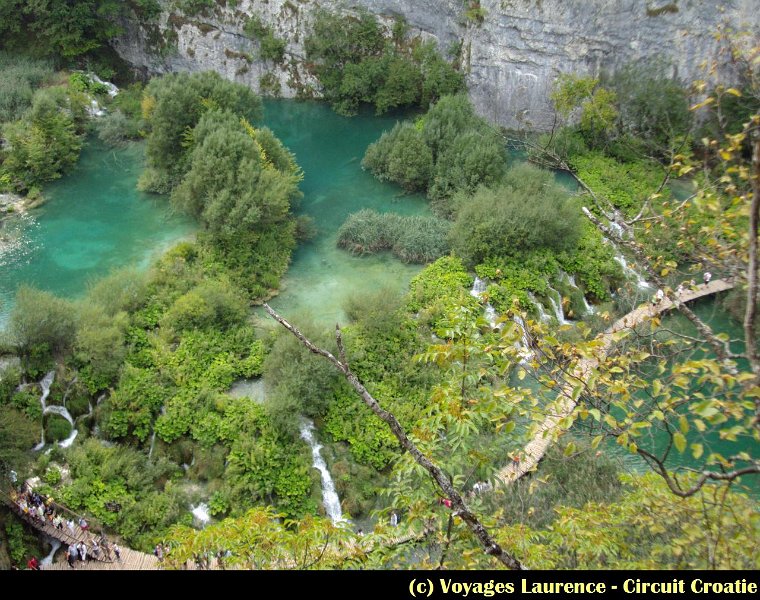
(94, 220)
(330, 148)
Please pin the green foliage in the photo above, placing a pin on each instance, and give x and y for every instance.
(625, 185)
(402, 156)
(174, 104)
(103, 476)
(299, 383)
(195, 7)
(529, 211)
(99, 347)
(17, 547)
(439, 288)
(19, 77)
(211, 304)
(237, 181)
(412, 239)
(593, 262)
(40, 323)
(45, 142)
(271, 47)
(56, 428)
(115, 129)
(52, 476)
(60, 28)
(653, 107)
(18, 433)
(648, 528)
(448, 150)
(356, 63)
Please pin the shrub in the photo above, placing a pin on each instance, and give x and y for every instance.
(413, 239)
(529, 211)
(115, 129)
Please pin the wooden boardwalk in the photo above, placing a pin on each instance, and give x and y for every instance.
(564, 406)
(130, 559)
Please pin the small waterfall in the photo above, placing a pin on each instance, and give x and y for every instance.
(330, 498)
(45, 384)
(69, 440)
(200, 512)
(55, 545)
(539, 308)
(570, 279)
(61, 411)
(523, 346)
(640, 281)
(478, 289)
(559, 313)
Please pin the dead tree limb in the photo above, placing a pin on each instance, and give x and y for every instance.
(459, 508)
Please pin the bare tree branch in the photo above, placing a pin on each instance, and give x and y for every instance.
(460, 509)
(750, 314)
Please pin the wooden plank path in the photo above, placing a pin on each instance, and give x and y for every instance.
(130, 559)
(564, 406)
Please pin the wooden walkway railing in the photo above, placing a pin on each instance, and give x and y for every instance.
(534, 451)
(129, 559)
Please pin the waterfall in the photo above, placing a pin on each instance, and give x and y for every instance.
(200, 512)
(55, 545)
(330, 498)
(542, 316)
(640, 281)
(559, 313)
(61, 411)
(570, 279)
(478, 289)
(45, 384)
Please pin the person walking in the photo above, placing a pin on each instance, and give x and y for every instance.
(707, 277)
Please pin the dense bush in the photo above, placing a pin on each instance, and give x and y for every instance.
(172, 106)
(357, 63)
(447, 150)
(529, 211)
(40, 323)
(413, 239)
(47, 141)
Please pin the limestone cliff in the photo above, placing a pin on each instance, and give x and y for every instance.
(511, 55)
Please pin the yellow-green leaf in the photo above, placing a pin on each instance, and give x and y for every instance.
(680, 441)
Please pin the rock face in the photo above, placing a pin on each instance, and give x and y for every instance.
(512, 56)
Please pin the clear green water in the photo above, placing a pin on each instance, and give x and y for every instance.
(329, 148)
(94, 220)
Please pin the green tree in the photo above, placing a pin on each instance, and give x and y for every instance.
(172, 107)
(40, 323)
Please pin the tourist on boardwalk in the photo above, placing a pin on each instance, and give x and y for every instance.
(394, 519)
(83, 524)
(71, 556)
(707, 277)
(33, 564)
(117, 551)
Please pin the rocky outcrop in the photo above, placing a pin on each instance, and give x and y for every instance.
(512, 51)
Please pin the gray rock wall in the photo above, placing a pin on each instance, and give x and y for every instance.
(512, 58)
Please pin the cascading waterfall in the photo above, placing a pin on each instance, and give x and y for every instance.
(559, 313)
(55, 545)
(631, 273)
(201, 512)
(45, 384)
(330, 498)
(478, 289)
(542, 315)
(570, 279)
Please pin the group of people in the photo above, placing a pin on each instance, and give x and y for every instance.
(660, 295)
(98, 549)
(42, 511)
